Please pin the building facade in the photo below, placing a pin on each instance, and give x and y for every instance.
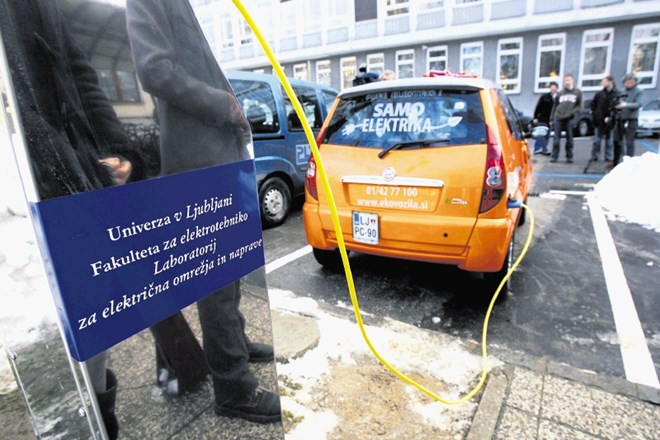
(522, 45)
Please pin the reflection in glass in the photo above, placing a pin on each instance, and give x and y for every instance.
(151, 399)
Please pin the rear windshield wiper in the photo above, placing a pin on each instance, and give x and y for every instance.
(406, 144)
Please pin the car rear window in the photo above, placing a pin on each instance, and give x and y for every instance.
(415, 118)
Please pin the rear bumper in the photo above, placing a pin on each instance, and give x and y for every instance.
(483, 248)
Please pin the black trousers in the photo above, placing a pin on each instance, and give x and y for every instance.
(225, 343)
(559, 126)
(624, 130)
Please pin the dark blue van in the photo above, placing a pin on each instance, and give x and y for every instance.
(281, 149)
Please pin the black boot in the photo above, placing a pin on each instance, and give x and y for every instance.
(107, 406)
(260, 406)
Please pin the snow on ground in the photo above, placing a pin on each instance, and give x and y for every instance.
(630, 191)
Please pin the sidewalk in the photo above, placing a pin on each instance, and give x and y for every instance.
(353, 396)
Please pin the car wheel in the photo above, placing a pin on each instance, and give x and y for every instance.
(583, 127)
(274, 201)
(329, 259)
(493, 279)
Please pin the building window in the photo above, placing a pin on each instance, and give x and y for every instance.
(644, 54)
(509, 57)
(246, 33)
(549, 61)
(472, 58)
(397, 7)
(436, 58)
(405, 63)
(301, 71)
(119, 86)
(323, 72)
(460, 3)
(339, 13)
(348, 70)
(596, 57)
(376, 63)
(226, 33)
(430, 5)
(208, 28)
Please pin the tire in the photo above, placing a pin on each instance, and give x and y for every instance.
(274, 201)
(492, 279)
(583, 128)
(328, 259)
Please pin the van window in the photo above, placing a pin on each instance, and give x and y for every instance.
(435, 118)
(328, 99)
(258, 103)
(310, 104)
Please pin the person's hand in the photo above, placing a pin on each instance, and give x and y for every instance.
(607, 119)
(119, 168)
(535, 121)
(621, 105)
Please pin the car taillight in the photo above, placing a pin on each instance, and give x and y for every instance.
(310, 179)
(495, 178)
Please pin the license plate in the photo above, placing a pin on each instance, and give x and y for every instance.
(365, 227)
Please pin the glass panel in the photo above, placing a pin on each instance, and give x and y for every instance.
(644, 55)
(84, 127)
(595, 61)
(550, 63)
(509, 66)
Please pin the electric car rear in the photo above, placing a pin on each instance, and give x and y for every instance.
(430, 169)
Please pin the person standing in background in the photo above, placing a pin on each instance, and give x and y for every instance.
(626, 108)
(567, 105)
(601, 109)
(542, 114)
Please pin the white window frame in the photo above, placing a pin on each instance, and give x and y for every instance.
(245, 34)
(376, 62)
(608, 62)
(301, 71)
(395, 8)
(480, 55)
(348, 69)
(430, 59)
(633, 41)
(324, 70)
(539, 50)
(516, 82)
(227, 40)
(399, 63)
(425, 6)
(340, 13)
(466, 3)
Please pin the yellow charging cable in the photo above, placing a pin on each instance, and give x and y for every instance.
(340, 236)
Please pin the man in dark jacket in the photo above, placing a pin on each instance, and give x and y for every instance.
(567, 106)
(626, 113)
(601, 110)
(542, 117)
(201, 125)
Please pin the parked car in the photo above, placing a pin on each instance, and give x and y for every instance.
(583, 124)
(280, 146)
(649, 119)
(423, 169)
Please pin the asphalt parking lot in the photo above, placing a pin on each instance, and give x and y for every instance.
(559, 307)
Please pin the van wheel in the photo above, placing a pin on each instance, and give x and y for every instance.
(329, 259)
(274, 201)
(493, 279)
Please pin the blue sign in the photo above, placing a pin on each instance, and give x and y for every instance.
(123, 258)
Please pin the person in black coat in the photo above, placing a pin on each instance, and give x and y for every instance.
(201, 125)
(602, 107)
(74, 140)
(542, 117)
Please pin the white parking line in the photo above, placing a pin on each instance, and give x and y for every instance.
(637, 361)
(274, 265)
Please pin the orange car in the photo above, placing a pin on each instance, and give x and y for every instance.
(430, 169)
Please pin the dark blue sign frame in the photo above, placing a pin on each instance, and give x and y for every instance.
(123, 258)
